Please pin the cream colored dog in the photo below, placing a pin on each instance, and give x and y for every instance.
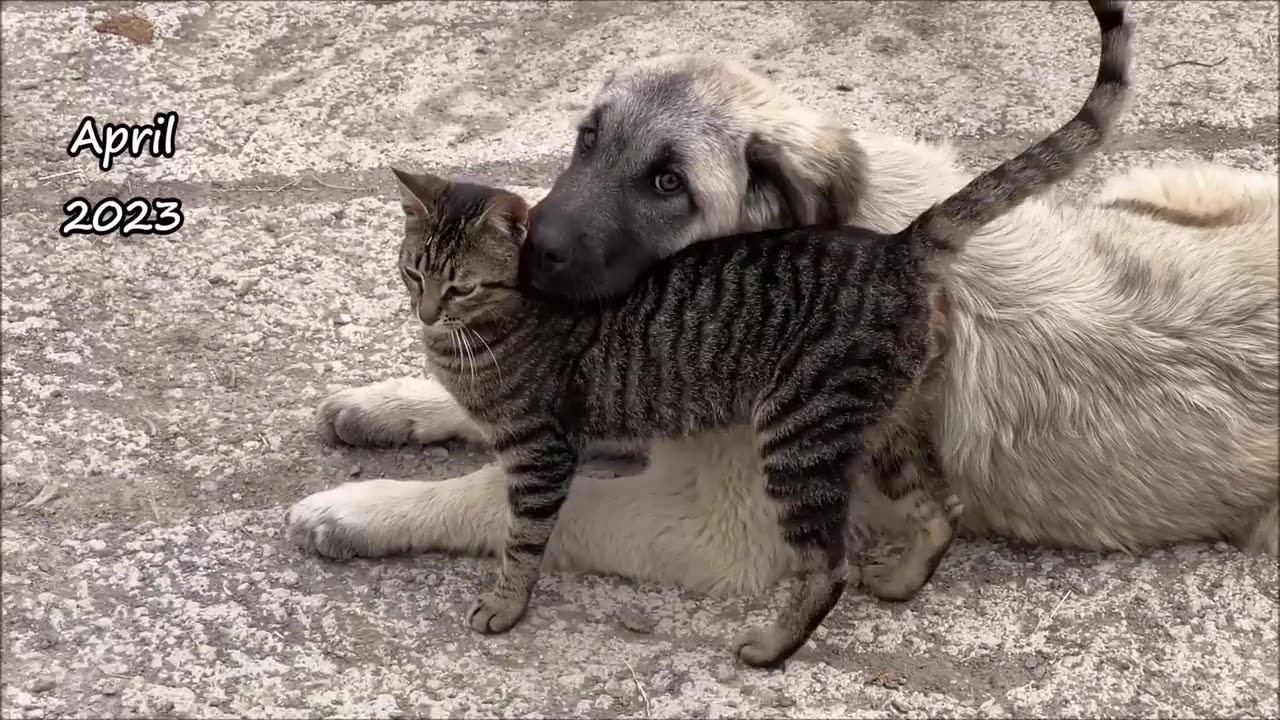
(1112, 379)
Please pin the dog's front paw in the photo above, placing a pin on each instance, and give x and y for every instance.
(348, 521)
(762, 647)
(496, 612)
(391, 413)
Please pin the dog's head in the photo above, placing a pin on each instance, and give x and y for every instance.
(675, 150)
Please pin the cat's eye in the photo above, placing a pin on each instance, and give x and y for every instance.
(668, 182)
(458, 292)
(586, 139)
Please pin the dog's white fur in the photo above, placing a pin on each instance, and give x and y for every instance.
(1112, 384)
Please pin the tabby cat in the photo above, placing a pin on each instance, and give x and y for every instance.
(761, 328)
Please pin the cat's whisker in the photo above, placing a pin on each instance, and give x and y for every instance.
(457, 349)
(470, 354)
(460, 347)
(453, 340)
(489, 350)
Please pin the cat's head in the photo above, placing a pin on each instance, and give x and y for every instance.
(460, 254)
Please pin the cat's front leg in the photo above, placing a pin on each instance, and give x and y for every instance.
(539, 468)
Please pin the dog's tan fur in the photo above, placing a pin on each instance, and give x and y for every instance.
(1112, 381)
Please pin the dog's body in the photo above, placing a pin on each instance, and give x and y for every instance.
(1112, 379)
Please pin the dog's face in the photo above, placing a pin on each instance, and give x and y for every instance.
(676, 150)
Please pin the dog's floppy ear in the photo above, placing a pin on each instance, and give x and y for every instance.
(817, 185)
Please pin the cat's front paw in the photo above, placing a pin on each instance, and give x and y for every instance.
(893, 580)
(496, 612)
(953, 507)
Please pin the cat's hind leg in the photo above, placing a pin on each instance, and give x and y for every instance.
(905, 472)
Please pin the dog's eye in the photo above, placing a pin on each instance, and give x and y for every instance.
(586, 139)
(668, 182)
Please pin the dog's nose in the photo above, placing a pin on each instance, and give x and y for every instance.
(552, 259)
(551, 253)
(553, 238)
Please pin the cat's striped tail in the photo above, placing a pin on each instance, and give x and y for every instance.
(945, 227)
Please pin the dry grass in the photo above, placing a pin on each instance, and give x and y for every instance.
(136, 28)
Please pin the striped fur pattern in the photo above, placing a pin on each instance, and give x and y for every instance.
(824, 339)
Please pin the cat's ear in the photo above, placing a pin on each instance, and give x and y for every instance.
(419, 192)
(509, 213)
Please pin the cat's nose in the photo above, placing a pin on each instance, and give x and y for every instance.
(428, 313)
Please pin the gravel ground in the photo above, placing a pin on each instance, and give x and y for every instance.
(158, 390)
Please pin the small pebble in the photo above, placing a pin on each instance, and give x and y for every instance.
(636, 621)
(783, 701)
(841, 87)
(898, 706)
(355, 471)
(343, 319)
(96, 545)
(236, 496)
(437, 452)
(723, 673)
(1031, 662)
(43, 684)
(245, 285)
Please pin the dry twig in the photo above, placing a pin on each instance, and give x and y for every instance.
(318, 181)
(639, 688)
(1197, 63)
(1046, 620)
(77, 171)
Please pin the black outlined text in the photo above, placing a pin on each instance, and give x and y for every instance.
(128, 217)
(112, 141)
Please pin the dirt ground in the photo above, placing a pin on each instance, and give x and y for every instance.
(158, 390)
